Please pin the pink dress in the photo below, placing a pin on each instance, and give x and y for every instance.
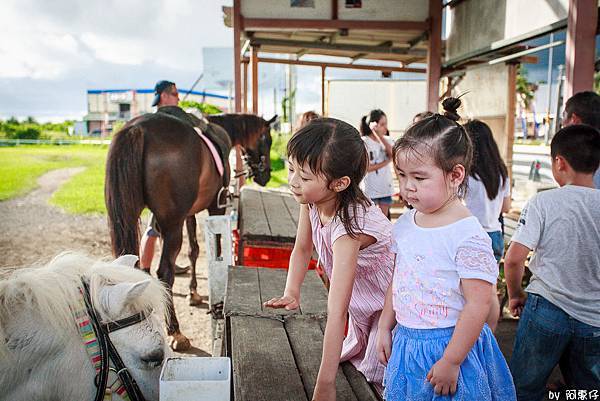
(373, 276)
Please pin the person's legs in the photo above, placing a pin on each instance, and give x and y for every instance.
(147, 249)
(580, 365)
(384, 204)
(497, 244)
(542, 336)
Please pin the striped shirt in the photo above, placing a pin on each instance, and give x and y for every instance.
(374, 269)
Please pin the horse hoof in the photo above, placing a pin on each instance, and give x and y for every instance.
(179, 342)
(194, 299)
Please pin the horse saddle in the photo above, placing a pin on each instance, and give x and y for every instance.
(216, 139)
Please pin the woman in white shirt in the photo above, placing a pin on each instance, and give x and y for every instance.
(378, 184)
(488, 192)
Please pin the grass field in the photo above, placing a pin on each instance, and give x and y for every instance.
(21, 166)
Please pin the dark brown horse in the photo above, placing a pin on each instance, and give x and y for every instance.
(160, 162)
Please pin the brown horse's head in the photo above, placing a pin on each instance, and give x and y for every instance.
(253, 133)
(258, 152)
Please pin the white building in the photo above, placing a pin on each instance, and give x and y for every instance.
(106, 106)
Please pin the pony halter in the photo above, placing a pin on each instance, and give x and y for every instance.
(101, 350)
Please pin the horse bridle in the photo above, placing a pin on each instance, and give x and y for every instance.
(259, 167)
(109, 352)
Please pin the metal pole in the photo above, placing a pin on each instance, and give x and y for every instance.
(549, 83)
(559, 99)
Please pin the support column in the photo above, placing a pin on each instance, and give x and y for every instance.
(245, 99)
(581, 46)
(434, 55)
(511, 107)
(254, 67)
(237, 29)
(323, 91)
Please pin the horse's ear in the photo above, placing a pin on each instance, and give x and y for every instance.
(125, 260)
(116, 297)
(272, 120)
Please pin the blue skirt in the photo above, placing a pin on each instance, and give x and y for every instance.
(483, 375)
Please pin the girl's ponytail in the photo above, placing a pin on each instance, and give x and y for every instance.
(365, 130)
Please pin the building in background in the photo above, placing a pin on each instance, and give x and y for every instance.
(107, 106)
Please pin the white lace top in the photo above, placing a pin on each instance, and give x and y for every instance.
(430, 262)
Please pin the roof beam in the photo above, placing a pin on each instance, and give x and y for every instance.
(337, 46)
(358, 56)
(258, 23)
(337, 65)
(414, 42)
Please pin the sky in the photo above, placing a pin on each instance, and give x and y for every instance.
(52, 52)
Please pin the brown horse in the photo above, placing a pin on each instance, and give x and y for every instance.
(160, 162)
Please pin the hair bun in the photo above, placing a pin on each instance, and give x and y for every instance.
(450, 105)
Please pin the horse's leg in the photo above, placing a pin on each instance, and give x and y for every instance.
(172, 237)
(190, 224)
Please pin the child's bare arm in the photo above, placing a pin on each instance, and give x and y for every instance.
(494, 314)
(387, 321)
(298, 264)
(345, 256)
(443, 376)
(514, 267)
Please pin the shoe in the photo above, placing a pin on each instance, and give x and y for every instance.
(181, 269)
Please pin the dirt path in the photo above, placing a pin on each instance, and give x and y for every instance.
(33, 232)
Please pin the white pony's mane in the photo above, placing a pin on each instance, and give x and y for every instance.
(52, 291)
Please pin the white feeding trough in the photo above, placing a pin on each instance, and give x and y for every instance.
(195, 379)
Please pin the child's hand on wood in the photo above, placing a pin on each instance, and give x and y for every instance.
(443, 376)
(384, 346)
(287, 301)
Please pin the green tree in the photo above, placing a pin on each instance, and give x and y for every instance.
(525, 89)
(597, 82)
(204, 108)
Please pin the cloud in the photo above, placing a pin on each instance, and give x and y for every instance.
(53, 51)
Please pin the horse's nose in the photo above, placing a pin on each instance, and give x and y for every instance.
(154, 358)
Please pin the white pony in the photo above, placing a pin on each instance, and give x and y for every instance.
(42, 354)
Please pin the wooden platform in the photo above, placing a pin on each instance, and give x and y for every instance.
(276, 353)
(267, 216)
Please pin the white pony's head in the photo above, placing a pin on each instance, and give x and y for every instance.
(44, 352)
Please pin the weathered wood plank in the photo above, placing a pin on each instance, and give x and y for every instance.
(293, 207)
(279, 219)
(272, 284)
(359, 384)
(357, 381)
(306, 339)
(263, 364)
(243, 291)
(253, 220)
(313, 295)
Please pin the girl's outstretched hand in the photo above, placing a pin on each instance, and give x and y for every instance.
(443, 376)
(287, 301)
(384, 346)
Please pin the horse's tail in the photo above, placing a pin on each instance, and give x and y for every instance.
(124, 189)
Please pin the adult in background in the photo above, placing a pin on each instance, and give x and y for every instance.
(488, 193)
(165, 94)
(584, 108)
(378, 184)
(307, 117)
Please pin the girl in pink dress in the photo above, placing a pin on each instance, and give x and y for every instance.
(327, 161)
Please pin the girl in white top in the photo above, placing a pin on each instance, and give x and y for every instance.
(440, 296)
(488, 192)
(378, 184)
